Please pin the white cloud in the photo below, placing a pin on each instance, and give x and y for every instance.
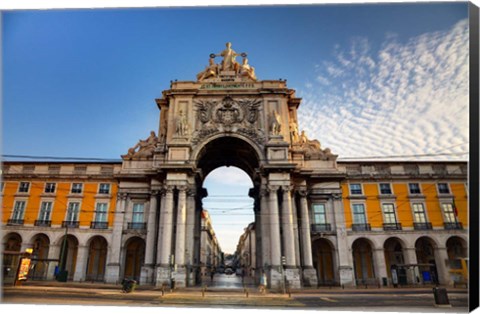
(404, 99)
(230, 176)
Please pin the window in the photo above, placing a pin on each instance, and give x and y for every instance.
(319, 214)
(355, 189)
(385, 188)
(77, 188)
(449, 213)
(73, 211)
(443, 188)
(104, 188)
(389, 213)
(50, 187)
(45, 211)
(18, 210)
(419, 213)
(359, 214)
(137, 213)
(23, 187)
(414, 188)
(101, 212)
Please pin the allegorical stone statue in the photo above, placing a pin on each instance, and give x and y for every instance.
(210, 71)
(229, 63)
(246, 70)
(144, 148)
(294, 132)
(275, 126)
(181, 124)
(313, 149)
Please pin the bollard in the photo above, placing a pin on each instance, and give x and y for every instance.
(163, 290)
(343, 286)
(289, 293)
(246, 293)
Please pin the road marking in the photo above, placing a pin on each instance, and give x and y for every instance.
(327, 299)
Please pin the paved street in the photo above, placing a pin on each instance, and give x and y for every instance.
(224, 292)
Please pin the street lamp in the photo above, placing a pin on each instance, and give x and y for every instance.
(284, 262)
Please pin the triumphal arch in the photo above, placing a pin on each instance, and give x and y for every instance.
(228, 117)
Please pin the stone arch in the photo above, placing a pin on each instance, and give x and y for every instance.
(393, 250)
(236, 150)
(97, 257)
(456, 248)
(362, 251)
(134, 257)
(12, 242)
(427, 265)
(324, 261)
(68, 254)
(41, 247)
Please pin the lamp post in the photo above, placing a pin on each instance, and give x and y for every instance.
(284, 262)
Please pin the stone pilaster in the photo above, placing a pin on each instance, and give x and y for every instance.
(112, 271)
(275, 272)
(190, 234)
(164, 271)
(441, 258)
(53, 253)
(287, 227)
(345, 261)
(379, 264)
(309, 273)
(410, 256)
(81, 263)
(148, 268)
(265, 229)
(180, 274)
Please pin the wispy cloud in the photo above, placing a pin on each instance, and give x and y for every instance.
(405, 98)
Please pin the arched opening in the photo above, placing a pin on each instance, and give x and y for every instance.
(363, 261)
(97, 256)
(393, 250)
(134, 258)
(427, 267)
(323, 258)
(12, 244)
(457, 259)
(68, 255)
(40, 263)
(232, 208)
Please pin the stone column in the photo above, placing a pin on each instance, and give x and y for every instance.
(410, 256)
(309, 272)
(148, 268)
(287, 227)
(441, 257)
(298, 260)
(112, 271)
(275, 275)
(379, 264)
(81, 263)
(292, 272)
(180, 274)
(345, 261)
(265, 229)
(190, 234)
(163, 274)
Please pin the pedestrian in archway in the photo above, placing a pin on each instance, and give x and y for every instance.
(263, 283)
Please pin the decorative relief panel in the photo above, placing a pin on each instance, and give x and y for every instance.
(228, 115)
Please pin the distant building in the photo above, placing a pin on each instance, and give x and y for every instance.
(210, 251)
(246, 251)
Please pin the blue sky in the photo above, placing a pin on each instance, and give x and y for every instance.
(376, 80)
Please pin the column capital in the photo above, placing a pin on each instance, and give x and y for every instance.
(155, 192)
(169, 188)
(287, 188)
(182, 188)
(272, 188)
(302, 191)
(122, 196)
(263, 192)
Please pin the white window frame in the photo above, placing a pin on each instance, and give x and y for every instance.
(314, 221)
(54, 187)
(350, 188)
(380, 188)
(448, 187)
(424, 212)
(364, 213)
(419, 188)
(67, 214)
(97, 212)
(72, 186)
(135, 214)
(40, 218)
(394, 213)
(20, 185)
(445, 219)
(14, 210)
(100, 188)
